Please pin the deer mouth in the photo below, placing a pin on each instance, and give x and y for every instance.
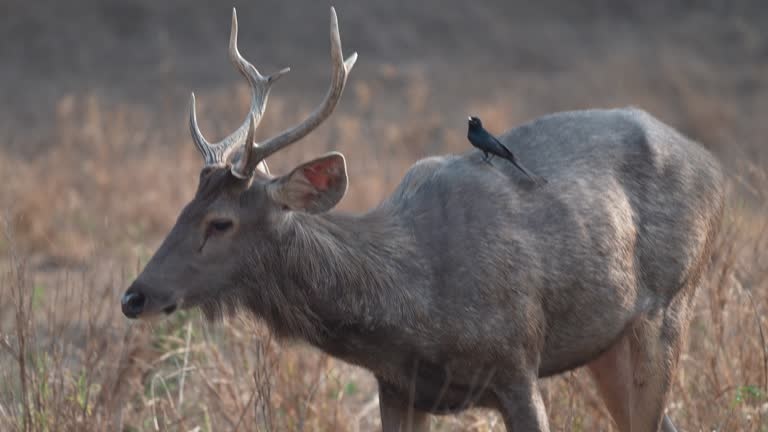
(170, 309)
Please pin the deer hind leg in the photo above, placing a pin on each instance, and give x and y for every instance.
(655, 345)
(634, 377)
(612, 372)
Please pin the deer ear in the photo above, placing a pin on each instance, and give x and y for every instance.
(314, 187)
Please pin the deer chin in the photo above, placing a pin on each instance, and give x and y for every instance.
(158, 314)
(151, 317)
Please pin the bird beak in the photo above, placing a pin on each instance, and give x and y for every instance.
(469, 118)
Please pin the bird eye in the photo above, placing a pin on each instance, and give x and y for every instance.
(219, 225)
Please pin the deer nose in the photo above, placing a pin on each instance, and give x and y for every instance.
(133, 303)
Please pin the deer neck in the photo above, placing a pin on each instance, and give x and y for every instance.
(349, 272)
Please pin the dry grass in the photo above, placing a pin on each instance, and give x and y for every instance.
(83, 217)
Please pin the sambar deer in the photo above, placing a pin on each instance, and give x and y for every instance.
(467, 284)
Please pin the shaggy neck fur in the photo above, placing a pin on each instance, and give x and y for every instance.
(335, 270)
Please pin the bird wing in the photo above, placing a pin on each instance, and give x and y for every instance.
(501, 146)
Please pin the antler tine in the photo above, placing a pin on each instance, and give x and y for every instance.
(200, 142)
(339, 74)
(242, 168)
(218, 153)
(259, 83)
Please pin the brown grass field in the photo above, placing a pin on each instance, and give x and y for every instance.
(96, 163)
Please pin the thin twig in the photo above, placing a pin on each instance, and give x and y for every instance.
(762, 339)
(167, 393)
(242, 413)
(219, 399)
(312, 391)
(154, 403)
(184, 366)
(725, 421)
(4, 343)
(365, 410)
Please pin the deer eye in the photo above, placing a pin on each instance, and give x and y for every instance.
(218, 226)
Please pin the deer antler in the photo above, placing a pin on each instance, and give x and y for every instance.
(218, 153)
(255, 153)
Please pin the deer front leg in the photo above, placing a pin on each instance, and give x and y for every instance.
(397, 415)
(521, 404)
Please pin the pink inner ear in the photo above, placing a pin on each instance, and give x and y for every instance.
(321, 174)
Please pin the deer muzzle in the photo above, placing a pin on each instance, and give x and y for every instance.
(138, 302)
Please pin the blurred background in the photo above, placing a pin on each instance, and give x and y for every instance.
(96, 162)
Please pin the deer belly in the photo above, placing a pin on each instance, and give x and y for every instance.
(434, 389)
(574, 343)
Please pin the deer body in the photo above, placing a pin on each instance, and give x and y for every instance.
(467, 284)
(464, 270)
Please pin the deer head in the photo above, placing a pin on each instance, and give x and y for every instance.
(234, 221)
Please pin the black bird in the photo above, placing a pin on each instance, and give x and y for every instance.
(488, 144)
